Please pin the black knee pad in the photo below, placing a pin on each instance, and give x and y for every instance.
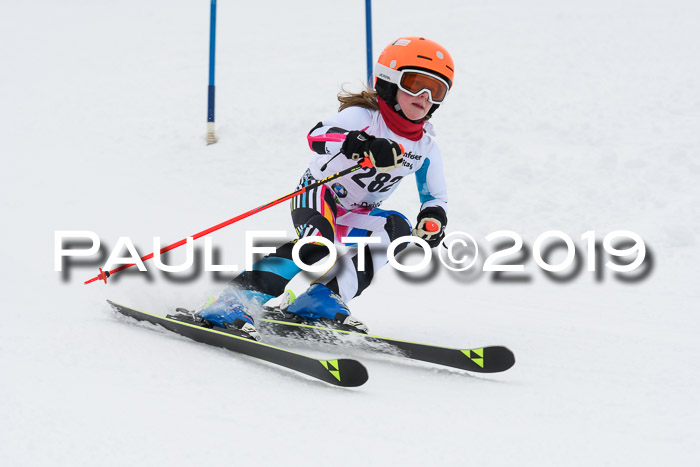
(310, 217)
(397, 226)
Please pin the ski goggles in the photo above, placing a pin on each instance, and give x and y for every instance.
(415, 82)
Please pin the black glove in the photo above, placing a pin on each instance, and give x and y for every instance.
(385, 154)
(431, 225)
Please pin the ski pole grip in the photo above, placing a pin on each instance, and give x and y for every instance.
(431, 226)
(365, 162)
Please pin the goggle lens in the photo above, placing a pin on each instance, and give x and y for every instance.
(415, 83)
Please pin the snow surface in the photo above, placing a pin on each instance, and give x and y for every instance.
(572, 116)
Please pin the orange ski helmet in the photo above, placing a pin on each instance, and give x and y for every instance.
(419, 53)
(414, 65)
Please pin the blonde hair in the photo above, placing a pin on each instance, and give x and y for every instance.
(367, 98)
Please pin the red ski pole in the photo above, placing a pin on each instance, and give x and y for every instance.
(363, 163)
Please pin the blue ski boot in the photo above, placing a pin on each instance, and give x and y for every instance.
(319, 303)
(230, 311)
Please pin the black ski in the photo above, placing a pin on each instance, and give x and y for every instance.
(339, 372)
(489, 359)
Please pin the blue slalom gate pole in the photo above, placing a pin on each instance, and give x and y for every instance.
(211, 135)
(368, 25)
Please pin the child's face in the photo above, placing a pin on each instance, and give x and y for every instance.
(414, 107)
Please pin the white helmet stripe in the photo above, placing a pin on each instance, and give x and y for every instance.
(386, 73)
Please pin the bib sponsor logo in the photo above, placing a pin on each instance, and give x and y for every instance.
(339, 190)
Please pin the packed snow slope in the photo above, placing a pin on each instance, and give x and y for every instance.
(573, 116)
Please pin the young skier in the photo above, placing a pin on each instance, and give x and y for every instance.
(389, 125)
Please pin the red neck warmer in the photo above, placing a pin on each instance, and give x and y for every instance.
(398, 124)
